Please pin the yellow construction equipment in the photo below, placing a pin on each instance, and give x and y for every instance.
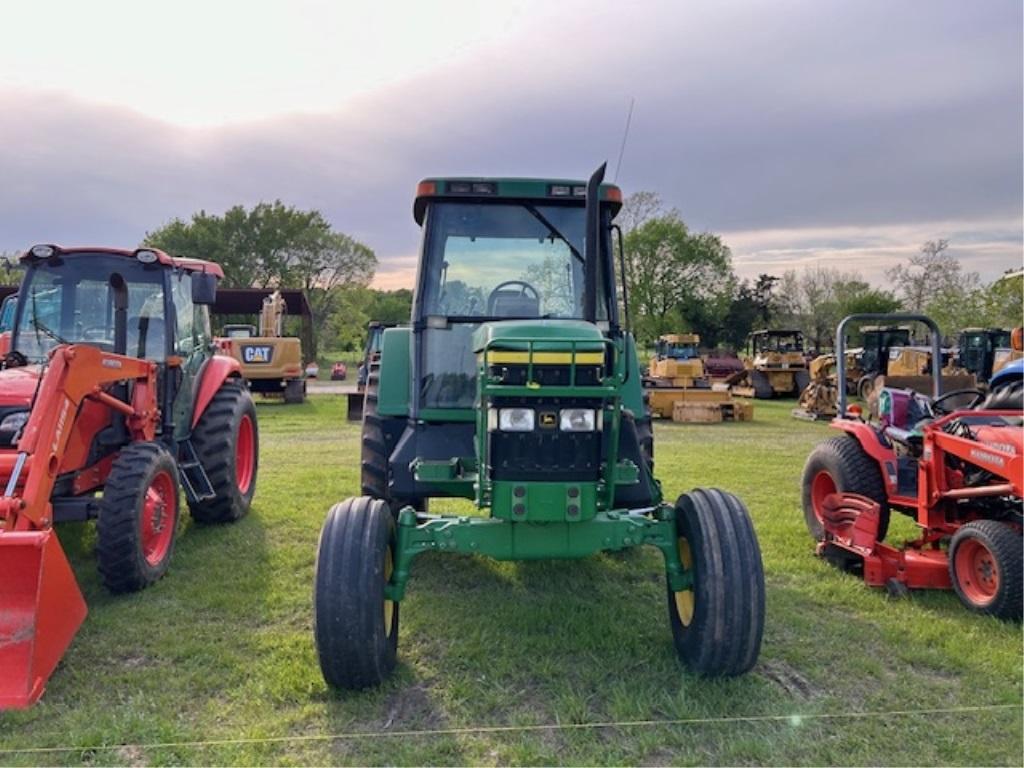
(775, 365)
(678, 388)
(271, 362)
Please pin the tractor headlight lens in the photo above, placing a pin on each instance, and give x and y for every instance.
(577, 420)
(12, 422)
(515, 419)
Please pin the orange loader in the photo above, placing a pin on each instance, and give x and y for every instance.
(109, 385)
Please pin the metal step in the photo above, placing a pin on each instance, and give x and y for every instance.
(194, 479)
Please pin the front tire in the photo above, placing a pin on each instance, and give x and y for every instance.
(840, 465)
(226, 440)
(717, 625)
(138, 518)
(985, 566)
(355, 627)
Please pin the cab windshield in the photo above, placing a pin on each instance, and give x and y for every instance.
(70, 300)
(515, 260)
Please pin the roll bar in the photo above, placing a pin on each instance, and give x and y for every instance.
(887, 318)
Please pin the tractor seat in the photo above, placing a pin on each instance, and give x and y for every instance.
(513, 303)
(152, 346)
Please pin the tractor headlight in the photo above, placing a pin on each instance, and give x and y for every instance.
(515, 419)
(13, 422)
(577, 420)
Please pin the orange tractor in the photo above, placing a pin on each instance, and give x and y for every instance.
(954, 463)
(111, 398)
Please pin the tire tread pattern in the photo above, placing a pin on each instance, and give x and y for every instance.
(214, 439)
(119, 557)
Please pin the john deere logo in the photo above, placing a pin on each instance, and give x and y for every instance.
(548, 419)
(256, 354)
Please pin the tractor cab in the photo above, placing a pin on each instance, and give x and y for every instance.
(979, 349)
(678, 346)
(876, 341)
(141, 304)
(777, 346)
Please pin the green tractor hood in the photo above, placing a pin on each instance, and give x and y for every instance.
(540, 335)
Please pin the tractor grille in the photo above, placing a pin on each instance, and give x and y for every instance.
(546, 454)
(547, 375)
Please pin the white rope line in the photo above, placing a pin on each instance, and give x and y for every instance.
(794, 719)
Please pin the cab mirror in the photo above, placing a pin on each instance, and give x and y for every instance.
(204, 288)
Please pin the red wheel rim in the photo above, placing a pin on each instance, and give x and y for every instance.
(159, 516)
(976, 571)
(245, 454)
(821, 486)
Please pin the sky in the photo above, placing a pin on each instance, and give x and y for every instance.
(805, 133)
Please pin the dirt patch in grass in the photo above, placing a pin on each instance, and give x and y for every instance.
(788, 679)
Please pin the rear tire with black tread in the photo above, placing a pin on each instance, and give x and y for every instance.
(120, 555)
(722, 637)
(852, 471)
(356, 643)
(373, 462)
(215, 439)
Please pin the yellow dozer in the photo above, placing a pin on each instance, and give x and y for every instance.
(271, 362)
(678, 388)
(819, 398)
(775, 365)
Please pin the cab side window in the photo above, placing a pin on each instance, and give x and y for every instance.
(186, 341)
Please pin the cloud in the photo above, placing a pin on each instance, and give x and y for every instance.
(854, 130)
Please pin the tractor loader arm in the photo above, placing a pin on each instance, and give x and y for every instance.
(41, 605)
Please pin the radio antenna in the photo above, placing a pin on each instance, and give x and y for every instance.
(625, 135)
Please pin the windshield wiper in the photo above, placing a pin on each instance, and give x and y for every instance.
(553, 230)
(39, 325)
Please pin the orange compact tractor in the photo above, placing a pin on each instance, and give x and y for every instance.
(954, 463)
(110, 398)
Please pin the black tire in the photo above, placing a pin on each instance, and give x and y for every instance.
(998, 590)
(720, 635)
(800, 380)
(762, 386)
(374, 454)
(295, 391)
(645, 434)
(216, 441)
(851, 471)
(134, 545)
(356, 641)
(865, 386)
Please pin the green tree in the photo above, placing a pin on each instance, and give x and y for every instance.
(10, 268)
(668, 268)
(274, 245)
(1003, 301)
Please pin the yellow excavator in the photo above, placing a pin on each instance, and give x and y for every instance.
(271, 362)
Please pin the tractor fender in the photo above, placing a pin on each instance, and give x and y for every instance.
(874, 443)
(212, 374)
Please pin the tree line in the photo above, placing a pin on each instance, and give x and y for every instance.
(678, 280)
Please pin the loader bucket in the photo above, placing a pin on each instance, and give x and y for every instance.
(41, 608)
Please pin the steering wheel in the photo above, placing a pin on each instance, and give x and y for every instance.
(938, 403)
(525, 291)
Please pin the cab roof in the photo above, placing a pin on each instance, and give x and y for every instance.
(482, 190)
(191, 265)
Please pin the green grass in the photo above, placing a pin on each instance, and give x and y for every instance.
(222, 647)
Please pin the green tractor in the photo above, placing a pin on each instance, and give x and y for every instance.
(517, 385)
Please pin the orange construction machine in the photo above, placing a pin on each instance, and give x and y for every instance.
(111, 399)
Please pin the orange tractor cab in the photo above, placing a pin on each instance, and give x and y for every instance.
(954, 463)
(111, 399)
